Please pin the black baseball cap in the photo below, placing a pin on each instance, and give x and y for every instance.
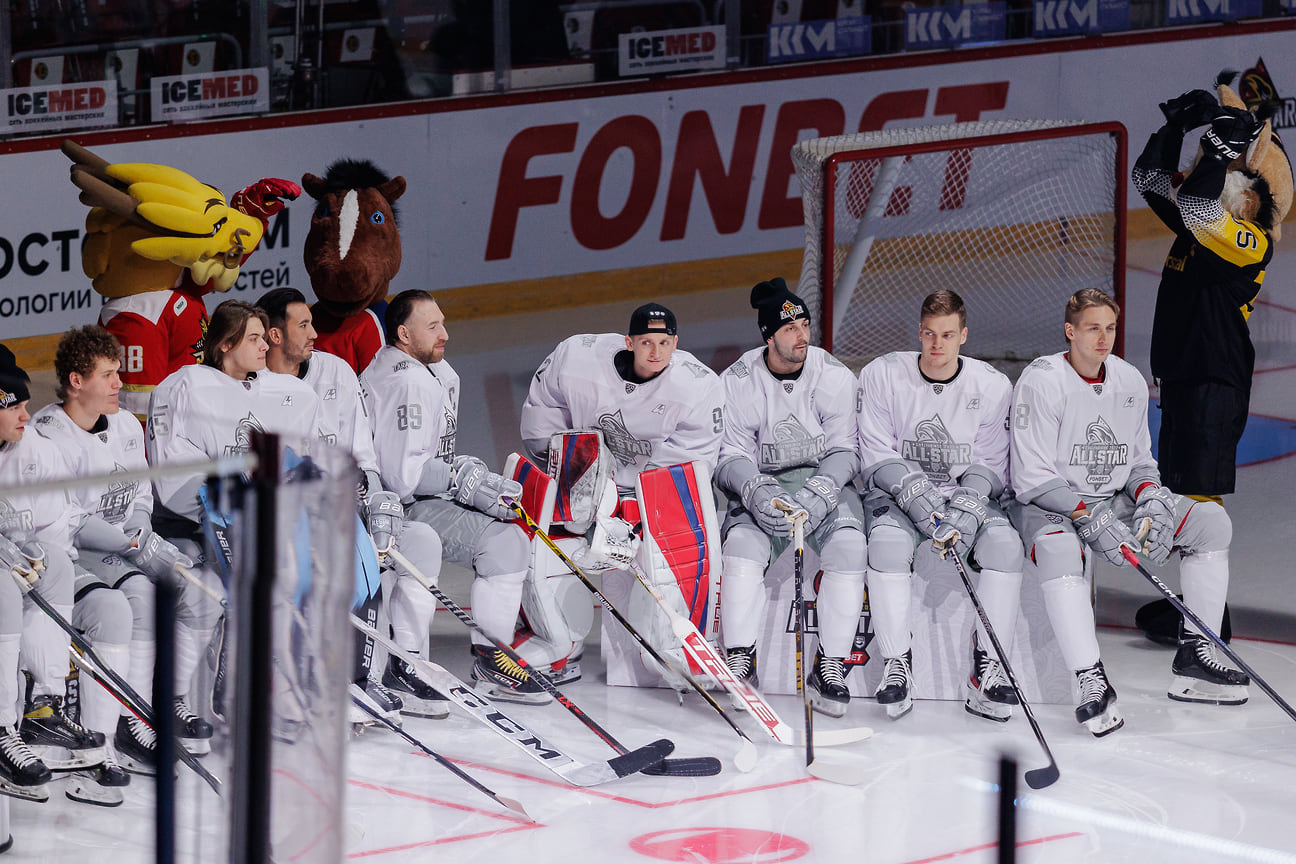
(13, 380)
(652, 317)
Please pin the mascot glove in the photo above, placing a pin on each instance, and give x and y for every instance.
(1230, 133)
(1104, 533)
(818, 497)
(265, 197)
(614, 545)
(476, 486)
(1190, 110)
(27, 560)
(384, 518)
(964, 514)
(1154, 515)
(155, 556)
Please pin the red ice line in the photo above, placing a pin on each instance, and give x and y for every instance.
(985, 846)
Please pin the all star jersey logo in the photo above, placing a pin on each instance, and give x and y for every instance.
(116, 501)
(243, 435)
(1100, 453)
(446, 443)
(792, 445)
(624, 446)
(935, 450)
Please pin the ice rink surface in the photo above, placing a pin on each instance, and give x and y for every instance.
(1179, 783)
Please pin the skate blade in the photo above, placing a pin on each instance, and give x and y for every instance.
(60, 760)
(196, 746)
(987, 710)
(38, 794)
(428, 709)
(1183, 689)
(506, 694)
(896, 710)
(827, 707)
(134, 766)
(87, 791)
(1104, 724)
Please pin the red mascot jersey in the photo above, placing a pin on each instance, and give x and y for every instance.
(159, 331)
(356, 339)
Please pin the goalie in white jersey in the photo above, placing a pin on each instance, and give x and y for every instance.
(655, 406)
(412, 393)
(1083, 470)
(790, 436)
(933, 443)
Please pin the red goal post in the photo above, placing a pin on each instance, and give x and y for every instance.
(1013, 215)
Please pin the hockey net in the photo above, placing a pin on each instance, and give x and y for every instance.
(1013, 215)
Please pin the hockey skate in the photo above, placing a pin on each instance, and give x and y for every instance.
(193, 731)
(827, 683)
(989, 694)
(101, 786)
(895, 691)
(136, 745)
(418, 698)
(1097, 711)
(22, 774)
(50, 733)
(376, 696)
(742, 663)
(561, 664)
(1199, 676)
(505, 680)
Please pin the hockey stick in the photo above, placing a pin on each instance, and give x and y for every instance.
(1036, 778)
(702, 766)
(454, 769)
(92, 664)
(484, 711)
(745, 758)
(1190, 615)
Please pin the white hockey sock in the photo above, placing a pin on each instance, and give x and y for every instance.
(840, 600)
(410, 607)
(189, 645)
(742, 601)
(9, 650)
(1205, 578)
(139, 672)
(889, 607)
(45, 649)
(495, 604)
(1067, 600)
(99, 708)
(1000, 594)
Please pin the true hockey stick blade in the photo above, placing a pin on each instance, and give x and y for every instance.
(486, 712)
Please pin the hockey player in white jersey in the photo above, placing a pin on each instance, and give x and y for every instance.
(413, 397)
(35, 543)
(1083, 472)
(291, 338)
(118, 554)
(790, 434)
(654, 405)
(933, 444)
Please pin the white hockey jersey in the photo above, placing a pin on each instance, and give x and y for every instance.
(50, 518)
(415, 413)
(199, 413)
(678, 416)
(115, 446)
(343, 413)
(939, 428)
(783, 424)
(1089, 437)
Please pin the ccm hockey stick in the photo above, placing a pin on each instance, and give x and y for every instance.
(1036, 778)
(745, 758)
(454, 769)
(701, 766)
(486, 712)
(1190, 615)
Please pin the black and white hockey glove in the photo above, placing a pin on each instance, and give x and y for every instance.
(478, 487)
(818, 497)
(919, 499)
(758, 495)
(27, 560)
(1190, 110)
(1155, 512)
(964, 513)
(1103, 532)
(154, 555)
(384, 517)
(1230, 134)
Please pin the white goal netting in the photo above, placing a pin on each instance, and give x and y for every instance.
(1013, 215)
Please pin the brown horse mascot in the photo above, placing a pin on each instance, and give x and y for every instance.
(352, 252)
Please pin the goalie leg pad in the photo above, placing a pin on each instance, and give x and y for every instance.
(558, 613)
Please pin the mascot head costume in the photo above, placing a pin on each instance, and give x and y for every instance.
(1258, 187)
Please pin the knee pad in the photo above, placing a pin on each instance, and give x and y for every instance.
(1057, 554)
(420, 543)
(748, 543)
(890, 550)
(1206, 528)
(845, 552)
(999, 547)
(104, 616)
(141, 596)
(502, 551)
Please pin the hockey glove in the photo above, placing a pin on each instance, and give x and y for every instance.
(1155, 511)
(758, 496)
(384, 517)
(613, 545)
(1103, 532)
(476, 486)
(919, 499)
(27, 560)
(155, 556)
(964, 514)
(1229, 135)
(818, 497)
(1190, 110)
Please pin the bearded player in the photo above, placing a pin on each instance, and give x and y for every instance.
(1083, 472)
(790, 437)
(933, 441)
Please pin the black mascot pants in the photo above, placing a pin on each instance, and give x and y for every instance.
(1201, 423)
